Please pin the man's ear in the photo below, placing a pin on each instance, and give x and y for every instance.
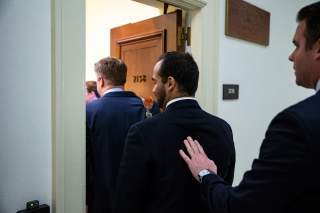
(317, 50)
(171, 83)
(102, 82)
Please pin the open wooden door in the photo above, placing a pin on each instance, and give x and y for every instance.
(140, 44)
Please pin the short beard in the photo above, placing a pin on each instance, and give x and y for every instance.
(161, 99)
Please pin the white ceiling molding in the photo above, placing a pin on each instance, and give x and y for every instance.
(152, 3)
(184, 4)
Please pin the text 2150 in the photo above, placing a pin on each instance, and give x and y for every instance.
(139, 78)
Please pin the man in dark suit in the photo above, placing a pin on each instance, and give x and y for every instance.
(285, 177)
(108, 121)
(152, 178)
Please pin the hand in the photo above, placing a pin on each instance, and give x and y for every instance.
(198, 159)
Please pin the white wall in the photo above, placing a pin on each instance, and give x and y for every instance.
(265, 76)
(25, 124)
(101, 16)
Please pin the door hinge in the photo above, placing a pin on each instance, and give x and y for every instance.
(184, 34)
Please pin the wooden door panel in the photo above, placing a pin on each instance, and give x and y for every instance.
(140, 44)
(135, 55)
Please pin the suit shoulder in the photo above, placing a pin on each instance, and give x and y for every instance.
(150, 121)
(305, 109)
(303, 116)
(93, 105)
(310, 102)
(217, 120)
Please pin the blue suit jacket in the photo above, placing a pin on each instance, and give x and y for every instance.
(153, 178)
(108, 120)
(285, 177)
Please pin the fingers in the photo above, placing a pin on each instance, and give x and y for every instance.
(200, 147)
(193, 145)
(189, 148)
(185, 157)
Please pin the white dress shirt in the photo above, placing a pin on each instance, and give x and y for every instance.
(318, 86)
(115, 89)
(179, 99)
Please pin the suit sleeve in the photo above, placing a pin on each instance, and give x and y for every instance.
(230, 172)
(132, 181)
(275, 178)
(89, 170)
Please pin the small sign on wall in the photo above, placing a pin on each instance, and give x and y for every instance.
(248, 22)
(230, 91)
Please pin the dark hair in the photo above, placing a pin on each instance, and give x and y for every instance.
(96, 93)
(183, 68)
(91, 86)
(113, 70)
(311, 14)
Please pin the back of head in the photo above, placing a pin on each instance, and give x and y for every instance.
(113, 70)
(91, 86)
(311, 15)
(183, 68)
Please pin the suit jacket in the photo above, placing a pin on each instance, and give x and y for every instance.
(108, 121)
(285, 177)
(153, 178)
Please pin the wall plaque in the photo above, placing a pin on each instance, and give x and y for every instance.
(246, 21)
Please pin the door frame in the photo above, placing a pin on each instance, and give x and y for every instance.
(68, 105)
(205, 34)
(68, 77)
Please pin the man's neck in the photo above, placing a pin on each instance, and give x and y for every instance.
(109, 87)
(179, 99)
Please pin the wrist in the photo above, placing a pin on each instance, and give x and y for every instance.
(202, 174)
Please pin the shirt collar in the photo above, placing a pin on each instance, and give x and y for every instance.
(180, 99)
(318, 86)
(114, 89)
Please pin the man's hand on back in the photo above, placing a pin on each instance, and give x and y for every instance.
(198, 159)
